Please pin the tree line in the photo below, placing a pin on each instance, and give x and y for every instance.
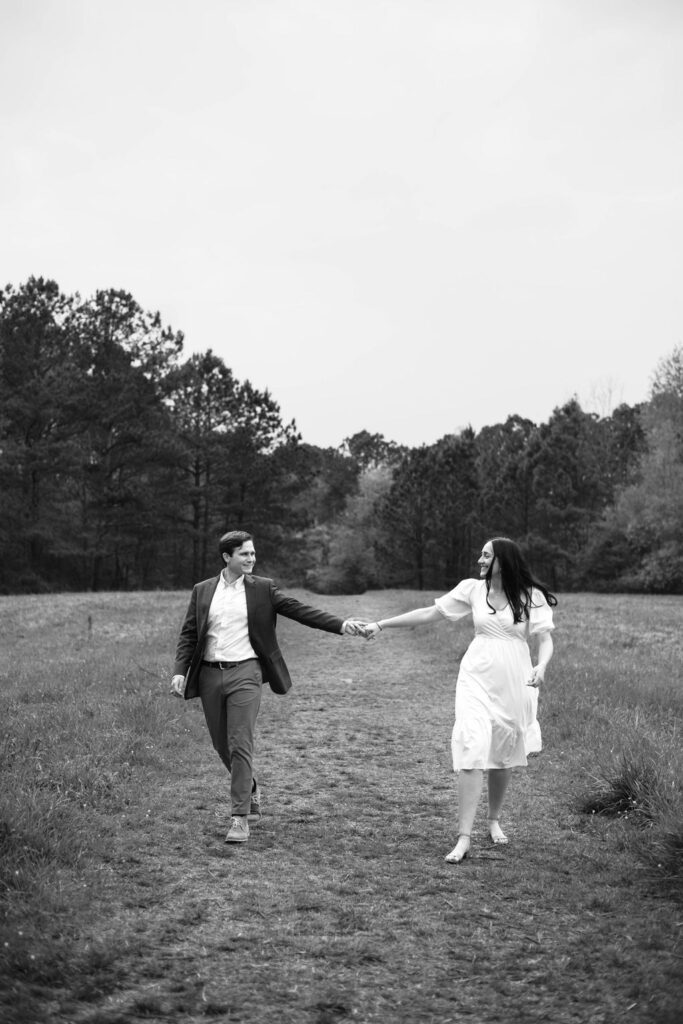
(122, 461)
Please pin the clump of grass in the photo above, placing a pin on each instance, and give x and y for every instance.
(641, 786)
(631, 791)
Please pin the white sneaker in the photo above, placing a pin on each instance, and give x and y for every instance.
(239, 831)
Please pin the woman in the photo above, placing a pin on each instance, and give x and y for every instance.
(494, 709)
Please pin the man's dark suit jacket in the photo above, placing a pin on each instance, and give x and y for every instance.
(264, 603)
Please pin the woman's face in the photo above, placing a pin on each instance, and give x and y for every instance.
(486, 559)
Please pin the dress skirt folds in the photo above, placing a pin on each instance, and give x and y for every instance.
(495, 710)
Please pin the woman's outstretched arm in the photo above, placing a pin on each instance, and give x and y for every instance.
(418, 617)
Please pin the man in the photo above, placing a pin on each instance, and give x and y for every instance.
(226, 649)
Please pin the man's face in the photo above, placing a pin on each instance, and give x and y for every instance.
(241, 560)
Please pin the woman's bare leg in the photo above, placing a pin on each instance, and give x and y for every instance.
(498, 782)
(470, 783)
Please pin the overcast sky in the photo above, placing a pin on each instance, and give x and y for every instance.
(402, 217)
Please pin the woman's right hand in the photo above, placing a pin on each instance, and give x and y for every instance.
(372, 629)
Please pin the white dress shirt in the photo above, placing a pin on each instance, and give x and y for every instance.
(227, 636)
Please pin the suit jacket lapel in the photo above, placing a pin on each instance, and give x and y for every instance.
(204, 599)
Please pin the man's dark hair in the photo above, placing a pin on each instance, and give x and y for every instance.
(233, 540)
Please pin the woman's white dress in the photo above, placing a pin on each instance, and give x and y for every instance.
(495, 709)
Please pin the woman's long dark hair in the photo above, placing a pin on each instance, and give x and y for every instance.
(516, 578)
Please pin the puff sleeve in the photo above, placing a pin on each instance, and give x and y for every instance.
(457, 602)
(540, 615)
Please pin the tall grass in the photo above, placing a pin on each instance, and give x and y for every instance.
(82, 727)
(617, 703)
(71, 759)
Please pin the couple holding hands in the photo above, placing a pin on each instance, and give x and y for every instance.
(228, 648)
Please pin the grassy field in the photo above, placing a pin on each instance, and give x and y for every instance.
(122, 903)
